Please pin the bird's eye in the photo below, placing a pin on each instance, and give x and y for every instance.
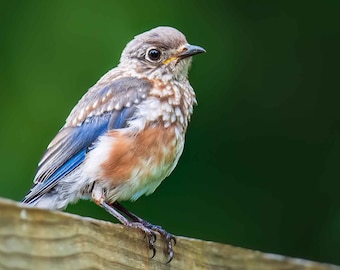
(154, 54)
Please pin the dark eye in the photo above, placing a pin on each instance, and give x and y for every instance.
(154, 54)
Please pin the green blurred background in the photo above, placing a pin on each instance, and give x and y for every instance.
(261, 163)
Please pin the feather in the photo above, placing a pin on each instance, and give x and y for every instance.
(85, 124)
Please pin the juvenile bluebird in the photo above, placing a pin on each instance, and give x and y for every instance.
(126, 133)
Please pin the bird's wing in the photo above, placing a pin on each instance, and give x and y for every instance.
(101, 109)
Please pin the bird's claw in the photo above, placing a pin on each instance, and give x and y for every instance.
(150, 232)
(169, 238)
(151, 239)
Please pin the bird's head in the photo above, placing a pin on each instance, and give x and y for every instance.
(162, 51)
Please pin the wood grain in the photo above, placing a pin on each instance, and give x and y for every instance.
(33, 238)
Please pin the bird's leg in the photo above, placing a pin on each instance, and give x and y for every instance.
(117, 210)
(98, 197)
(133, 224)
(169, 238)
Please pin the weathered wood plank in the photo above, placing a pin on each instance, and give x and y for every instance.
(32, 238)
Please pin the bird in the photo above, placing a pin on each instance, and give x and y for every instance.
(125, 135)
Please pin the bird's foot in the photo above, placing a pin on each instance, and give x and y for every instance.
(168, 237)
(136, 222)
(149, 233)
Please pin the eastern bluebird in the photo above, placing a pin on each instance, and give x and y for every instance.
(126, 133)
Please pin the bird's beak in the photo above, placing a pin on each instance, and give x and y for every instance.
(187, 51)
(190, 50)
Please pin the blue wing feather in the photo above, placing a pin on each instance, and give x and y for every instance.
(78, 142)
(69, 148)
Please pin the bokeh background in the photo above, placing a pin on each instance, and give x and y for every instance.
(261, 164)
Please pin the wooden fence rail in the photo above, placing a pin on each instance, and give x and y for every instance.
(33, 238)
